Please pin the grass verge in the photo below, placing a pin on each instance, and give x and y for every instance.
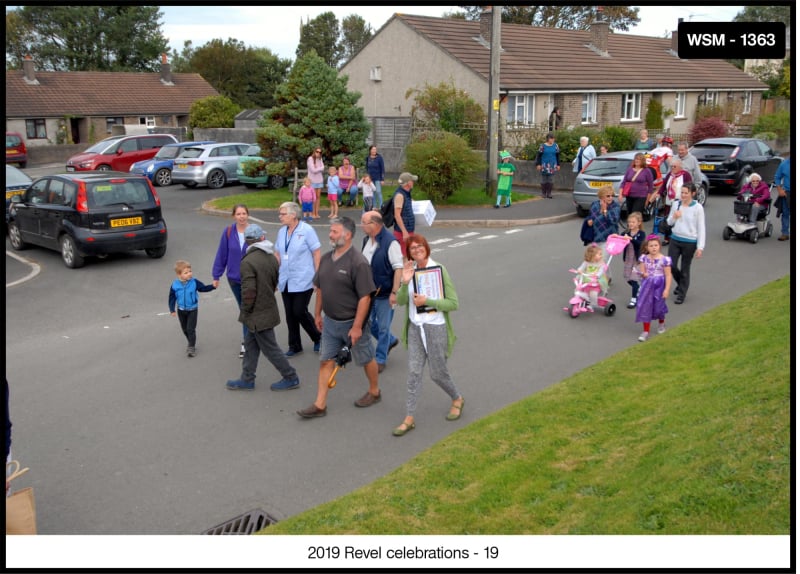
(685, 434)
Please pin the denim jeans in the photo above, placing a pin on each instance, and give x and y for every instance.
(378, 195)
(786, 216)
(380, 325)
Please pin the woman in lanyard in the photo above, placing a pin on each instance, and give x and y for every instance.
(297, 248)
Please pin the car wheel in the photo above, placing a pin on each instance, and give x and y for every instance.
(15, 237)
(726, 233)
(276, 181)
(69, 253)
(103, 167)
(581, 211)
(190, 184)
(163, 177)
(156, 252)
(754, 236)
(702, 195)
(216, 179)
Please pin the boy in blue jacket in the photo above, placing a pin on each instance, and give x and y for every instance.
(183, 293)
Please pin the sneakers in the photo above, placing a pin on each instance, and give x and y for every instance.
(312, 412)
(293, 353)
(368, 399)
(644, 336)
(316, 347)
(632, 303)
(507, 205)
(661, 328)
(285, 385)
(241, 351)
(190, 351)
(497, 206)
(240, 385)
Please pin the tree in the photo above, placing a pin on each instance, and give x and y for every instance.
(213, 112)
(447, 108)
(86, 38)
(760, 13)
(321, 35)
(571, 17)
(355, 34)
(314, 109)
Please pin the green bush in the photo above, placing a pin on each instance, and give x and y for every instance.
(654, 119)
(779, 123)
(444, 162)
(619, 138)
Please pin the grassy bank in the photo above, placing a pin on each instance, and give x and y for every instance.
(688, 433)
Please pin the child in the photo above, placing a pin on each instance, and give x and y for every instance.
(306, 197)
(505, 173)
(333, 191)
(593, 269)
(183, 292)
(367, 190)
(657, 272)
(634, 247)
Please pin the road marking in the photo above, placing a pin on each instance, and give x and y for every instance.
(459, 244)
(513, 231)
(469, 234)
(438, 241)
(487, 237)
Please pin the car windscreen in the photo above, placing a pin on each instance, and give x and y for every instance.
(16, 177)
(607, 167)
(118, 192)
(168, 152)
(253, 151)
(715, 152)
(101, 146)
(191, 152)
(12, 140)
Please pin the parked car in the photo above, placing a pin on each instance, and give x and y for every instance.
(93, 213)
(159, 168)
(253, 170)
(17, 181)
(119, 153)
(611, 168)
(728, 162)
(213, 165)
(16, 151)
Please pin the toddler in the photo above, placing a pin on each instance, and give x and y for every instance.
(183, 293)
(333, 191)
(656, 270)
(505, 174)
(629, 256)
(368, 191)
(306, 197)
(593, 269)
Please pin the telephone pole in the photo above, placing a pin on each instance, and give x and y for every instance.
(494, 100)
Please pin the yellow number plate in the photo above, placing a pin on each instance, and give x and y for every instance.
(707, 167)
(180, 165)
(597, 183)
(10, 194)
(128, 221)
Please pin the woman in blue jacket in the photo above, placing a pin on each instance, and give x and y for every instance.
(232, 248)
(377, 173)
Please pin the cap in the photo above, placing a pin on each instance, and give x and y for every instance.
(405, 177)
(504, 154)
(254, 231)
(666, 139)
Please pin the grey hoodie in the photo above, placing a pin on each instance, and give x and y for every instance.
(259, 270)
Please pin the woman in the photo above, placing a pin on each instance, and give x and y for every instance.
(230, 251)
(554, 122)
(670, 189)
(347, 181)
(427, 334)
(640, 179)
(604, 219)
(756, 192)
(688, 238)
(297, 249)
(644, 143)
(377, 172)
(548, 163)
(316, 169)
(585, 154)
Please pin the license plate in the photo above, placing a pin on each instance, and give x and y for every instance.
(598, 183)
(11, 152)
(10, 194)
(180, 165)
(70, 168)
(707, 166)
(126, 222)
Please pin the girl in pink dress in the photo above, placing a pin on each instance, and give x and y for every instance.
(655, 268)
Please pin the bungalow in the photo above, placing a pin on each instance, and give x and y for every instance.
(84, 107)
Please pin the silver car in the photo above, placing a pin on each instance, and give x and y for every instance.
(213, 165)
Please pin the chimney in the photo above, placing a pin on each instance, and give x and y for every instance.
(166, 71)
(674, 46)
(486, 24)
(29, 71)
(599, 34)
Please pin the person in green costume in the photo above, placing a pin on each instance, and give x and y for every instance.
(505, 173)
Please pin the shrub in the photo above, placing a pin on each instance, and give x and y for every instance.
(653, 119)
(708, 128)
(619, 138)
(444, 162)
(213, 112)
(779, 123)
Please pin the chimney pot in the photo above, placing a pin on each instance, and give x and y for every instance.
(166, 71)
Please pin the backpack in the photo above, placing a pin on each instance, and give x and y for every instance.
(387, 212)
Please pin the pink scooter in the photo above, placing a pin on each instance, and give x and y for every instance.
(585, 284)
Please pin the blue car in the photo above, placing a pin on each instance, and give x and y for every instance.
(159, 168)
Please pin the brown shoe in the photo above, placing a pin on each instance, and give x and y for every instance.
(783, 238)
(368, 399)
(312, 412)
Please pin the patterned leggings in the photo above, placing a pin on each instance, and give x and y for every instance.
(436, 355)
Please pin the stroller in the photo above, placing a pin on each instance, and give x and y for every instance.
(585, 284)
(742, 227)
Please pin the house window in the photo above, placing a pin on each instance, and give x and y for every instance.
(710, 98)
(748, 102)
(589, 109)
(680, 104)
(35, 129)
(631, 106)
(149, 121)
(112, 122)
(520, 109)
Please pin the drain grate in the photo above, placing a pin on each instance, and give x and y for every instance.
(246, 523)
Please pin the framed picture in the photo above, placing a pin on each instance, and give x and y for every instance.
(428, 281)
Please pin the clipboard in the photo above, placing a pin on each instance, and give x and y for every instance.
(429, 281)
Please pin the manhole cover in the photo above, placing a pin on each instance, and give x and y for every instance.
(246, 523)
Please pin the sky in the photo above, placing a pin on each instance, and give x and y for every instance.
(278, 27)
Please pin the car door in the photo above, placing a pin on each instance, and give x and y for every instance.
(53, 211)
(125, 154)
(228, 159)
(768, 162)
(29, 212)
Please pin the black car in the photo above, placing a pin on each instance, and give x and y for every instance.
(728, 162)
(90, 213)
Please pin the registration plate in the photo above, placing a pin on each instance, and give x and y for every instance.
(707, 166)
(126, 222)
(11, 152)
(70, 168)
(180, 165)
(10, 194)
(598, 183)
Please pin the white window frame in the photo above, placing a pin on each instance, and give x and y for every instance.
(748, 102)
(148, 121)
(711, 98)
(631, 106)
(680, 104)
(589, 108)
(521, 109)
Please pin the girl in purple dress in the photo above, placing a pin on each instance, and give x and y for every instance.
(655, 269)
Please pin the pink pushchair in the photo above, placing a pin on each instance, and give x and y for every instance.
(586, 284)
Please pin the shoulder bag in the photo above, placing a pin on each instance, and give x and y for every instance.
(626, 186)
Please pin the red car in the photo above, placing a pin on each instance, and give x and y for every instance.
(16, 152)
(119, 153)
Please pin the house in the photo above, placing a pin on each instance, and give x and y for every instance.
(596, 78)
(84, 107)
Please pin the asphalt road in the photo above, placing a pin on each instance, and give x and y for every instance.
(126, 435)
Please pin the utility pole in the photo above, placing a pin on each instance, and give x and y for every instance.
(494, 100)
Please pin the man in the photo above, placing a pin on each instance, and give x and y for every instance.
(690, 163)
(783, 180)
(404, 223)
(585, 154)
(385, 257)
(259, 313)
(344, 291)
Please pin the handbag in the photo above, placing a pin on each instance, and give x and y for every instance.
(664, 228)
(20, 506)
(626, 186)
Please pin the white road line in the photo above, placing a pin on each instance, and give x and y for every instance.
(438, 241)
(459, 244)
(487, 237)
(32, 272)
(468, 234)
(513, 231)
